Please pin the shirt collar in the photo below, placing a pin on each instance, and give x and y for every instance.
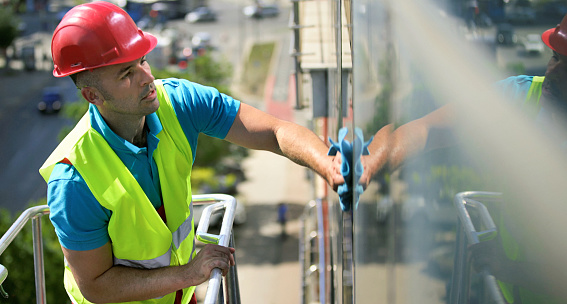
(115, 141)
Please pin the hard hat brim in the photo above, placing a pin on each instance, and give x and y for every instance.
(545, 38)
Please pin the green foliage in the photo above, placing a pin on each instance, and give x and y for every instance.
(8, 27)
(18, 259)
(444, 182)
(383, 101)
(217, 166)
(211, 152)
(206, 180)
(516, 68)
(73, 111)
(203, 70)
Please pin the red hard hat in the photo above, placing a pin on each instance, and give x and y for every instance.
(94, 35)
(556, 38)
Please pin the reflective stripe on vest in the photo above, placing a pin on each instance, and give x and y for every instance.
(531, 104)
(149, 243)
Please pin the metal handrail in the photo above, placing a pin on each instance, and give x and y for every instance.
(313, 212)
(224, 238)
(33, 213)
(468, 235)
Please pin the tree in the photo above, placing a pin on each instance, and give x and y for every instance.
(8, 30)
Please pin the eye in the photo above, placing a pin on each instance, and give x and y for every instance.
(126, 75)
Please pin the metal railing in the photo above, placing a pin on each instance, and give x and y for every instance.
(33, 213)
(225, 238)
(467, 235)
(312, 254)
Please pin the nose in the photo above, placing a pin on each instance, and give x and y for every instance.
(146, 74)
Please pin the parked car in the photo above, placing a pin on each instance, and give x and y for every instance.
(28, 57)
(506, 35)
(61, 11)
(261, 10)
(201, 40)
(216, 218)
(532, 44)
(521, 13)
(201, 14)
(52, 100)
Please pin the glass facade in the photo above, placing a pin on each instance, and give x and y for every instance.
(465, 197)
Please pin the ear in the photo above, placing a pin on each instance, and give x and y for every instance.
(92, 95)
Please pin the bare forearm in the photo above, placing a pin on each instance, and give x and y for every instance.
(379, 151)
(123, 284)
(303, 147)
(419, 135)
(255, 129)
(102, 282)
(406, 142)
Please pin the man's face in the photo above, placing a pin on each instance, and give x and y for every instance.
(555, 84)
(128, 89)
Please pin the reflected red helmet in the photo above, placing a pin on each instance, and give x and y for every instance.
(94, 35)
(556, 38)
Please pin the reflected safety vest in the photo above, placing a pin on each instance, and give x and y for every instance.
(513, 293)
(531, 104)
(139, 237)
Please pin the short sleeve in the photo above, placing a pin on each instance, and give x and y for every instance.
(80, 222)
(201, 109)
(515, 88)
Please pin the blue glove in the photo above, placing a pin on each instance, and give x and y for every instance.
(350, 156)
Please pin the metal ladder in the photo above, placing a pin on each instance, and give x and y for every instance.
(214, 293)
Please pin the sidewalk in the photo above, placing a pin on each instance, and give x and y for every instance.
(267, 263)
(273, 179)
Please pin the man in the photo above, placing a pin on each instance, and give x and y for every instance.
(119, 184)
(521, 279)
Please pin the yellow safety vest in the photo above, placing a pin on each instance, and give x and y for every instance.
(512, 293)
(139, 237)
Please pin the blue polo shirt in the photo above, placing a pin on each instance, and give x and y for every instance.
(80, 221)
(517, 87)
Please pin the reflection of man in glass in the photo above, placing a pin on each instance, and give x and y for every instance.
(542, 98)
(524, 280)
(545, 98)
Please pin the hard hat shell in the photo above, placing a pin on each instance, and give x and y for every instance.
(556, 38)
(94, 35)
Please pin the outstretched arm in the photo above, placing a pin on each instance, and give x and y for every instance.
(102, 282)
(255, 129)
(421, 135)
(391, 148)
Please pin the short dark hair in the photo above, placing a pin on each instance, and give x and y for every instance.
(85, 79)
(74, 78)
